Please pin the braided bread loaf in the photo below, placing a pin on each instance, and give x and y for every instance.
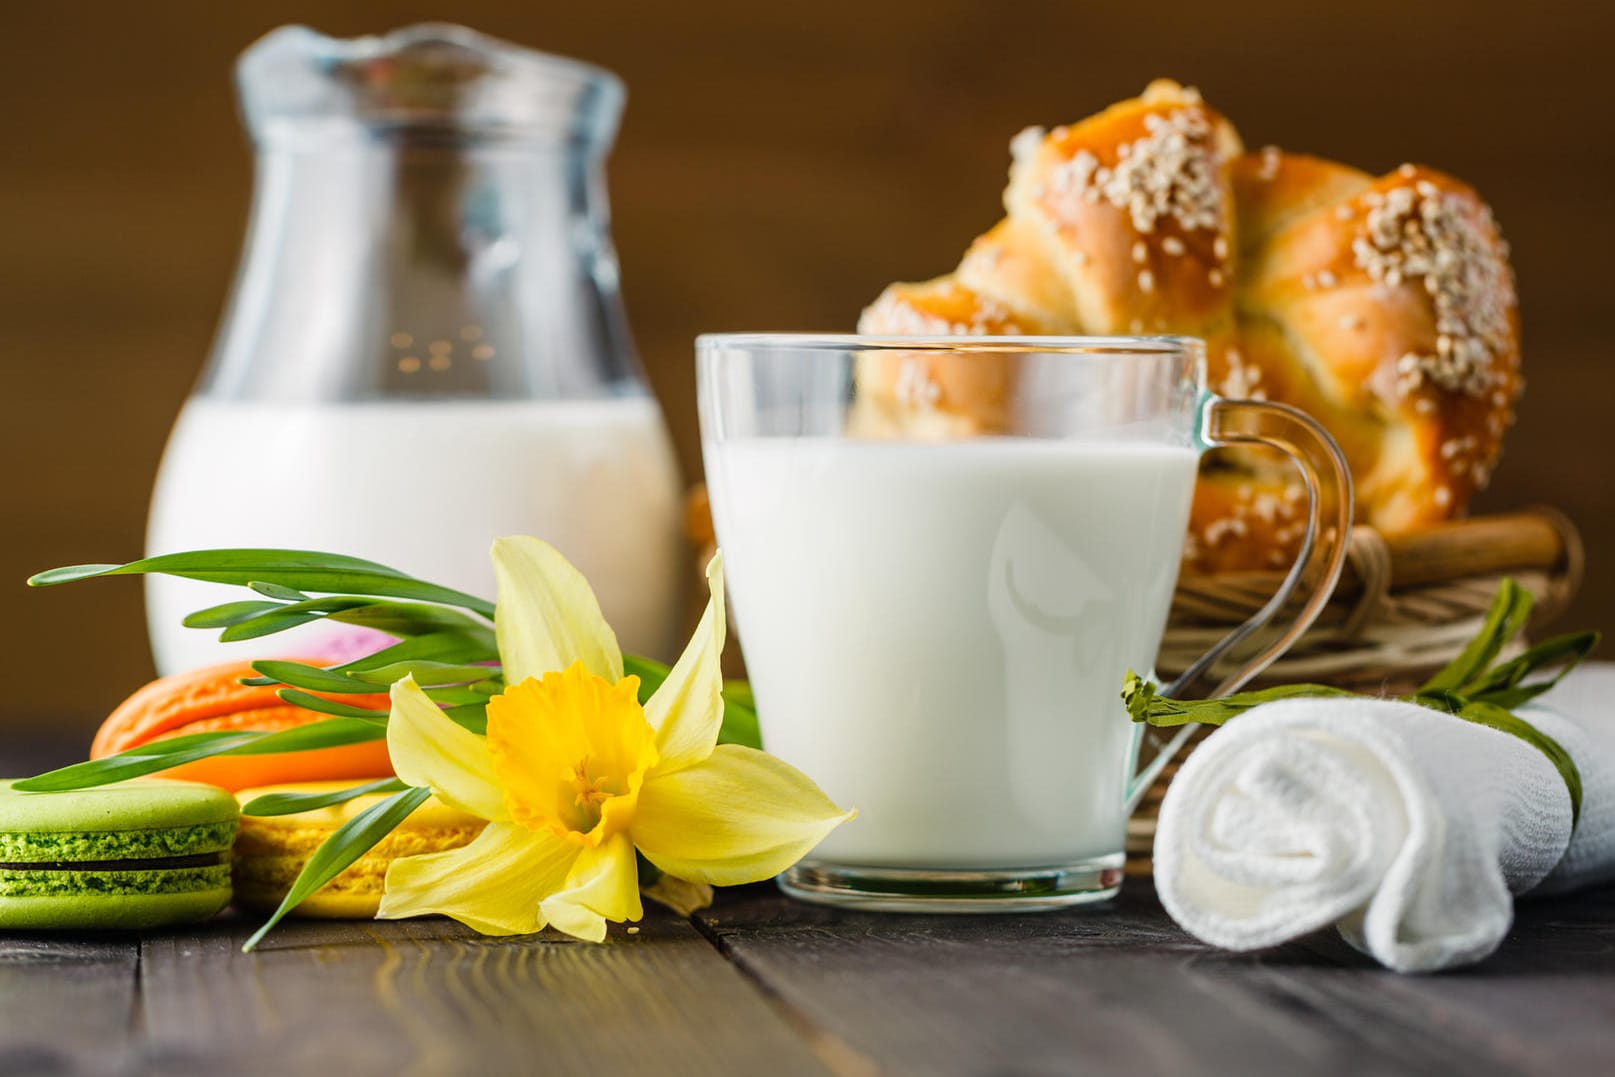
(1383, 307)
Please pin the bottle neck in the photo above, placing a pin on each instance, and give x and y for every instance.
(422, 263)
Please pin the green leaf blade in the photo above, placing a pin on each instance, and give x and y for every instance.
(1505, 685)
(346, 844)
(458, 696)
(1504, 620)
(266, 625)
(310, 702)
(326, 733)
(426, 672)
(160, 755)
(740, 725)
(473, 716)
(307, 677)
(275, 590)
(69, 574)
(298, 570)
(1145, 703)
(1497, 718)
(135, 762)
(292, 803)
(461, 648)
(410, 619)
(227, 614)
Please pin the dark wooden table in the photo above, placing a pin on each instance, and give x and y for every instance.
(763, 985)
(760, 984)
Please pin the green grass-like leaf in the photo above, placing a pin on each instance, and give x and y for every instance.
(1496, 717)
(309, 702)
(1504, 686)
(739, 692)
(267, 625)
(411, 619)
(426, 673)
(291, 803)
(227, 614)
(452, 647)
(346, 844)
(275, 590)
(740, 725)
(1145, 704)
(473, 716)
(458, 696)
(1504, 620)
(464, 648)
(297, 570)
(307, 677)
(174, 751)
(282, 617)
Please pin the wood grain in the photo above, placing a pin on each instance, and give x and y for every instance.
(432, 997)
(1108, 989)
(1120, 988)
(67, 1002)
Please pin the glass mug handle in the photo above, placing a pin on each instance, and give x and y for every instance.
(1255, 644)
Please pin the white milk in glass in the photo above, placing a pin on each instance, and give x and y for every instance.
(424, 487)
(938, 633)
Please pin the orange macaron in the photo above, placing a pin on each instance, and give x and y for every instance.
(213, 699)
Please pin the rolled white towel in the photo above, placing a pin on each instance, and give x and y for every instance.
(1410, 829)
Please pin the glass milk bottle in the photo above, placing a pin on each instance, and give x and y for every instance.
(425, 348)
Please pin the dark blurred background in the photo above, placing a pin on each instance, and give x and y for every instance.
(778, 165)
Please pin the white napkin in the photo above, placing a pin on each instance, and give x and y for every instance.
(1410, 829)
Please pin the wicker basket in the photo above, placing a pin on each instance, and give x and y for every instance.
(1404, 607)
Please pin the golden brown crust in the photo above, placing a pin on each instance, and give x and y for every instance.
(1134, 210)
(1241, 521)
(936, 395)
(1383, 307)
(1273, 188)
(1392, 312)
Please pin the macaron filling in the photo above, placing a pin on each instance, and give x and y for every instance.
(76, 846)
(175, 875)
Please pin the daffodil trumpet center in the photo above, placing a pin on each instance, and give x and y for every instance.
(592, 791)
(571, 751)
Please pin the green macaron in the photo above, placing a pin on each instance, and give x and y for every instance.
(138, 854)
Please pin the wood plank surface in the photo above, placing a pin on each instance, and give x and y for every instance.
(67, 1002)
(432, 997)
(1109, 989)
(1119, 989)
(761, 984)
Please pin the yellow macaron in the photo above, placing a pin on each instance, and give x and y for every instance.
(270, 851)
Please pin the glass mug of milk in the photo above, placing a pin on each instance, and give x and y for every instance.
(944, 555)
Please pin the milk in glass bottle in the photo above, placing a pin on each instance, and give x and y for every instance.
(425, 348)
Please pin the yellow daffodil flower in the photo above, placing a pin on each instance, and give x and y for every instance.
(574, 775)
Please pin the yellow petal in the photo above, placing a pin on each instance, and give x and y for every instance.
(494, 885)
(680, 895)
(548, 617)
(602, 885)
(687, 710)
(429, 748)
(739, 816)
